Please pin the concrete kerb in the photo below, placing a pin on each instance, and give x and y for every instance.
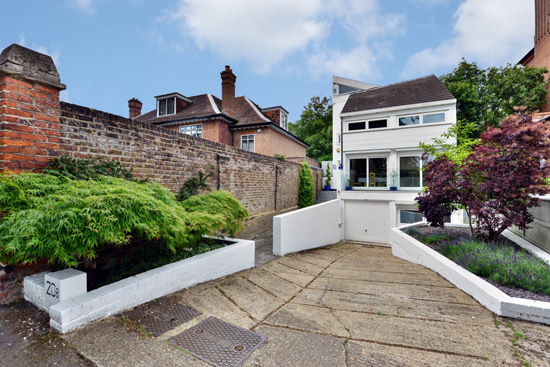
(133, 291)
(492, 298)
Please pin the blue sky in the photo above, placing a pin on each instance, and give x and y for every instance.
(283, 52)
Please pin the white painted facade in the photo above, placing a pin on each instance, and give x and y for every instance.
(392, 147)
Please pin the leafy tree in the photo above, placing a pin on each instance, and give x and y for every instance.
(315, 128)
(496, 182)
(87, 169)
(486, 96)
(306, 189)
(194, 186)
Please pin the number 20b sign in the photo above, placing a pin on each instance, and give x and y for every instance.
(62, 285)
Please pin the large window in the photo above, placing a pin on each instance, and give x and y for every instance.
(410, 171)
(410, 216)
(247, 142)
(166, 106)
(368, 172)
(430, 118)
(193, 130)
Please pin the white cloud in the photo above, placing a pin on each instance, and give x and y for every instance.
(84, 5)
(269, 34)
(490, 32)
(359, 62)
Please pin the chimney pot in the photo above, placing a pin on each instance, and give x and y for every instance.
(228, 90)
(134, 106)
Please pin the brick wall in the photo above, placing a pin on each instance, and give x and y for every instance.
(29, 124)
(170, 158)
(270, 142)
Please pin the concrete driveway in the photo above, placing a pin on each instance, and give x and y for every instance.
(343, 305)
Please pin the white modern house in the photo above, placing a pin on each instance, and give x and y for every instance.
(376, 157)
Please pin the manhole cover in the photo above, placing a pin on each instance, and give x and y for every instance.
(160, 317)
(218, 342)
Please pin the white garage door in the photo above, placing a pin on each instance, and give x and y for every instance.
(367, 221)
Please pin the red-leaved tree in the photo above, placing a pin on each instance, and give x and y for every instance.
(498, 182)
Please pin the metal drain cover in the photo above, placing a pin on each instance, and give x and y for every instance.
(161, 316)
(218, 342)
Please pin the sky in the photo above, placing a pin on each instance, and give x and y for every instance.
(283, 52)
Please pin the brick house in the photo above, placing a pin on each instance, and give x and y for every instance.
(539, 55)
(235, 121)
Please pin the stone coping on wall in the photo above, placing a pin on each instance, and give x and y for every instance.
(492, 298)
(133, 291)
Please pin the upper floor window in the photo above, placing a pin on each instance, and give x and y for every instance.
(430, 118)
(167, 106)
(409, 120)
(433, 118)
(247, 142)
(378, 124)
(352, 126)
(284, 120)
(193, 130)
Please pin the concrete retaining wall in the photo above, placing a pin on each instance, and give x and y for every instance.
(408, 248)
(133, 291)
(307, 228)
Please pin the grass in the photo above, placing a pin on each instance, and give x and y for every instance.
(500, 262)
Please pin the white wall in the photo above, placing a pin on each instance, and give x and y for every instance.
(539, 233)
(307, 228)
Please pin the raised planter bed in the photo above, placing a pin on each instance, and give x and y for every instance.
(408, 248)
(133, 291)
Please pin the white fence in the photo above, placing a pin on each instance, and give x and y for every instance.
(307, 228)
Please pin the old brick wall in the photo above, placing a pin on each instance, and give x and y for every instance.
(264, 185)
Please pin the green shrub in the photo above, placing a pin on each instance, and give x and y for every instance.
(224, 205)
(87, 169)
(501, 263)
(193, 186)
(306, 190)
(63, 220)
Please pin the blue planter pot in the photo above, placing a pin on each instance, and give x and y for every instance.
(327, 188)
(393, 188)
(348, 188)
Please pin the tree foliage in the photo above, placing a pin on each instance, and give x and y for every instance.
(486, 96)
(220, 203)
(64, 220)
(315, 128)
(496, 182)
(306, 189)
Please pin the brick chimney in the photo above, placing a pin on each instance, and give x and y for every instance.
(228, 90)
(134, 105)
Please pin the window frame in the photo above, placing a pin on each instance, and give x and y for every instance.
(185, 127)
(367, 158)
(423, 163)
(159, 106)
(421, 118)
(284, 120)
(248, 142)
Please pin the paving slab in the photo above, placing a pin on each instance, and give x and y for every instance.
(409, 291)
(308, 318)
(443, 337)
(292, 275)
(277, 286)
(393, 306)
(296, 263)
(250, 298)
(384, 277)
(211, 302)
(293, 348)
(376, 355)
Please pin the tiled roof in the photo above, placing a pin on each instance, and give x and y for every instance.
(247, 112)
(200, 107)
(421, 90)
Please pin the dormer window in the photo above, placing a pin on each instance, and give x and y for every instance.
(170, 104)
(284, 120)
(166, 106)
